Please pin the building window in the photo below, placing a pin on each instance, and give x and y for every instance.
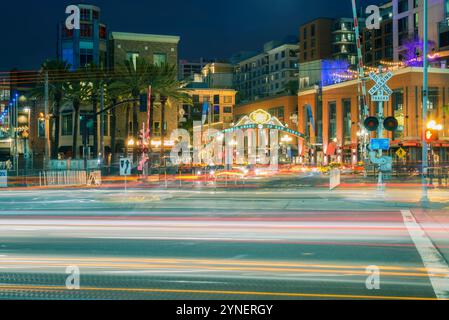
(332, 109)
(227, 109)
(402, 6)
(86, 30)
(403, 25)
(159, 59)
(398, 112)
(227, 99)
(132, 56)
(312, 30)
(41, 128)
(86, 57)
(347, 120)
(67, 124)
(85, 15)
(103, 33)
(216, 99)
(67, 56)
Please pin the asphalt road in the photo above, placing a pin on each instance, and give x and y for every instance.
(234, 244)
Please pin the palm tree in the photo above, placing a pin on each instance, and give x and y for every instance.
(57, 73)
(76, 92)
(134, 80)
(95, 77)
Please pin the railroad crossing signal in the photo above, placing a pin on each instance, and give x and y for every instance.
(380, 91)
(401, 153)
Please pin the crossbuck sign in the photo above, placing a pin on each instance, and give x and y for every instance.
(380, 91)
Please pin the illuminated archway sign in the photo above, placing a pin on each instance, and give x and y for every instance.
(260, 119)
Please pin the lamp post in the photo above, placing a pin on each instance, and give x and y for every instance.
(425, 148)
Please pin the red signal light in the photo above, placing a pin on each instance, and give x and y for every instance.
(430, 135)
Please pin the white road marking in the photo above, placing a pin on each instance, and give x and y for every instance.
(431, 257)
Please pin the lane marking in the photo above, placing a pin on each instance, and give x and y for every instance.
(216, 292)
(430, 256)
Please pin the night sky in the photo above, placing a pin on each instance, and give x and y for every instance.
(209, 29)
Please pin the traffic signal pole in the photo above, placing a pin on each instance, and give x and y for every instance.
(425, 147)
(380, 129)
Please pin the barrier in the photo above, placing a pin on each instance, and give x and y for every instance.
(69, 178)
(334, 179)
(3, 179)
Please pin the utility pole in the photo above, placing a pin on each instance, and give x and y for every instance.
(102, 158)
(425, 147)
(47, 123)
(363, 105)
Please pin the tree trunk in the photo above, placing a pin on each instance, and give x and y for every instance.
(76, 123)
(127, 122)
(161, 155)
(135, 127)
(57, 119)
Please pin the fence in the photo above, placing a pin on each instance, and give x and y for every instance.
(334, 178)
(69, 178)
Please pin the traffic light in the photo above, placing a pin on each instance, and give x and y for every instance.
(391, 124)
(371, 123)
(431, 135)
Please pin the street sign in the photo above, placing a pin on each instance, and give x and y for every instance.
(380, 91)
(380, 144)
(401, 153)
(3, 179)
(125, 166)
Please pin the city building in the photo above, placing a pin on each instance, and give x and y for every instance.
(220, 111)
(156, 49)
(88, 44)
(343, 40)
(327, 46)
(188, 69)
(218, 75)
(316, 39)
(329, 118)
(267, 73)
(401, 32)
(378, 43)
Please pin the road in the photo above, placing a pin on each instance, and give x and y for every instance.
(225, 244)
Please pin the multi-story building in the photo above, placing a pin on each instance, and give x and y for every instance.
(88, 44)
(326, 47)
(156, 49)
(378, 43)
(315, 40)
(329, 118)
(188, 69)
(343, 40)
(218, 75)
(267, 73)
(221, 103)
(401, 32)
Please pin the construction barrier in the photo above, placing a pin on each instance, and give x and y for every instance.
(69, 178)
(334, 178)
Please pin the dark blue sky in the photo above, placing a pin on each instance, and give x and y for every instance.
(210, 29)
